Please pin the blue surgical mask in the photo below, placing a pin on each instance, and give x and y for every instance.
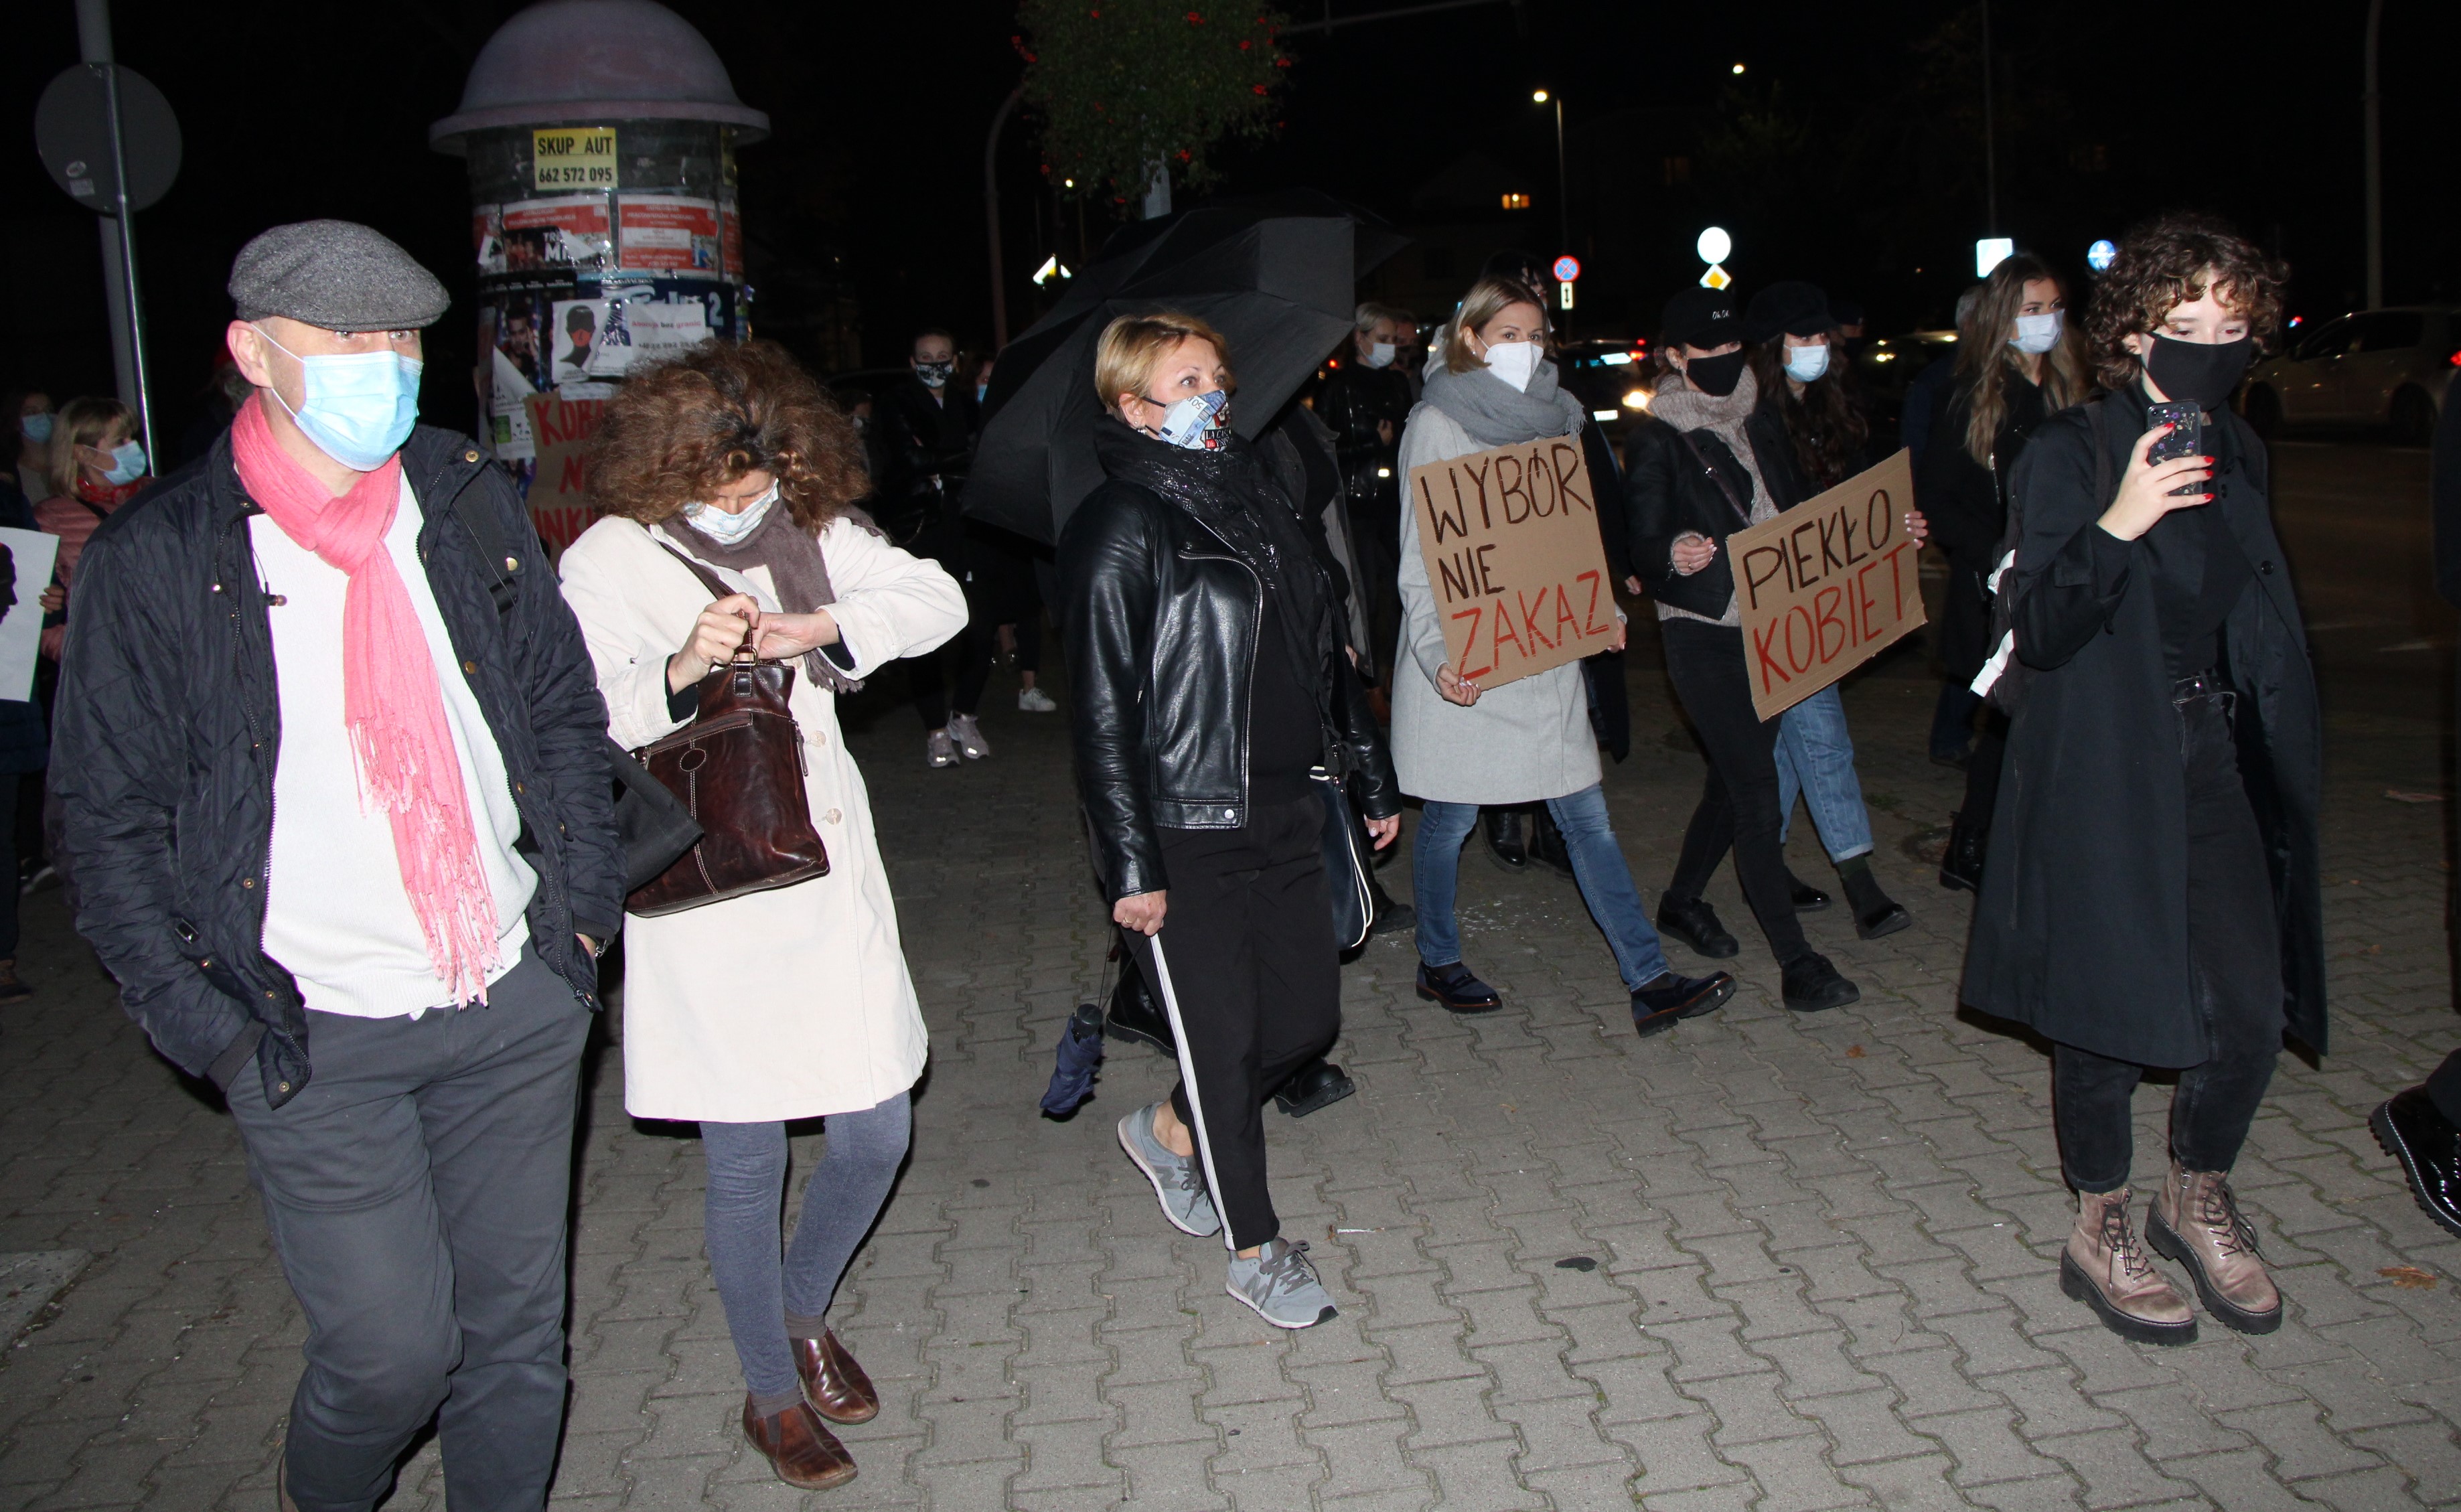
(1804, 364)
(1201, 422)
(982, 392)
(731, 530)
(127, 464)
(1379, 354)
(2037, 334)
(357, 407)
(35, 428)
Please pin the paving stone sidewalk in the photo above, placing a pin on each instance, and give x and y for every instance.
(1762, 1262)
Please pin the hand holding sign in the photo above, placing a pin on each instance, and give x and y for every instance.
(1510, 541)
(1828, 585)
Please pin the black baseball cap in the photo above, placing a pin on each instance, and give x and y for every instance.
(1701, 317)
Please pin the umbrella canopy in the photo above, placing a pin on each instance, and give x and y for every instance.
(1274, 274)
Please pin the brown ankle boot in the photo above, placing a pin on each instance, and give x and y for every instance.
(2106, 1269)
(798, 1446)
(2195, 1221)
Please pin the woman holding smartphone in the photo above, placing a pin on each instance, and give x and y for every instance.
(2154, 895)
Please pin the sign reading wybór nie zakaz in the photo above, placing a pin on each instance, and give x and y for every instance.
(1828, 585)
(1511, 540)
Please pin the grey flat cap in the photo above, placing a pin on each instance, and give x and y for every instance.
(334, 274)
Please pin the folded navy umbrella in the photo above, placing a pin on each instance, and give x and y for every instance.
(1078, 1057)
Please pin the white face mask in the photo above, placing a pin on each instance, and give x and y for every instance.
(1804, 364)
(731, 530)
(1515, 362)
(1378, 355)
(2037, 334)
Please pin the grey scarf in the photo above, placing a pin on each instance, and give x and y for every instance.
(1496, 414)
(797, 572)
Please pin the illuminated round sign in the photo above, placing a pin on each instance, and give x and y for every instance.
(2100, 256)
(1714, 245)
(1568, 268)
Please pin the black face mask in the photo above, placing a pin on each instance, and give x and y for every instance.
(1717, 375)
(2198, 372)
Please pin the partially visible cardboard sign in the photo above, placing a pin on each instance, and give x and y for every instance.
(1510, 538)
(26, 558)
(559, 499)
(1828, 585)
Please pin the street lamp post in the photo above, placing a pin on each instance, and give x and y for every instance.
(1563, 194)
(2375, 161)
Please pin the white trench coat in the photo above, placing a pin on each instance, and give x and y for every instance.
(792, 1003)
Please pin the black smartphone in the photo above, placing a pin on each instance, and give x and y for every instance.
(2187, 437)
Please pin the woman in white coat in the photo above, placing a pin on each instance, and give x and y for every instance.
(1458, 746)
(793, 1003)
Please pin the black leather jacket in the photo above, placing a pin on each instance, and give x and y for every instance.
(1672, 489)
(1162, 621)
(1354, 401)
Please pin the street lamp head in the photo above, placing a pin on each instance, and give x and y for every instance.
(1714, 245)
(1538, 97)
(1739, 68)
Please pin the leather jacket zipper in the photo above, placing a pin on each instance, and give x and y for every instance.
(1255, 631)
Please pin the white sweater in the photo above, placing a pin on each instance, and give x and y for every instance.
(336, 914)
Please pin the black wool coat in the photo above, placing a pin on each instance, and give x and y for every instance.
(1961, 498)
(2081, 930)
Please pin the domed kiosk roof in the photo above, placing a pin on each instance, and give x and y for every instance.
(576, 60)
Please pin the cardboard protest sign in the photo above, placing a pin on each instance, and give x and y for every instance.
(26, 558)
(1828, 585)
(560, 489)
(1511, 538)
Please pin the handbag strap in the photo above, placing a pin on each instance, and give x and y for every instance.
(709, 578)
(1716, 477)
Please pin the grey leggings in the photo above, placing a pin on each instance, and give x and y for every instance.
(768, 1303)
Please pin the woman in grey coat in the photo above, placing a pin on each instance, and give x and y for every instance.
(1457, 746)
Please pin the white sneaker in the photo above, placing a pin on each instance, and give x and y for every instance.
(938, 750)
(969, 736)
(1035, 701)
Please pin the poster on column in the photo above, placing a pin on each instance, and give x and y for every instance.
(559, 497)
(1827, 586)
(666, 233)
(25, 572)
(569, 235)
(603, 338)
(1514, 563)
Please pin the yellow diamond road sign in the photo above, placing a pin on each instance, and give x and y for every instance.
(1717, 277)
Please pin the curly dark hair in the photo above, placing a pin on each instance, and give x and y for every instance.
(709, 415)
(2166, 263)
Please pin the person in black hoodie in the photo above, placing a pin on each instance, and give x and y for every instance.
(2018, 365)
(1209, 686)
(929, 425)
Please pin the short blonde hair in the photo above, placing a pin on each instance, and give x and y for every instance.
(84, 423)
(1133, 346)
(1486, 299)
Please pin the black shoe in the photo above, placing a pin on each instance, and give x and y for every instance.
(1806, 897)
(1456, 989)
(1812, 985)
(1547, 845)
(1882, 918)
(1961, 865)
(1692, 921)
(1503, 845)
(1392, 918)
(1318, 1084)
(1135, 1015)
(2416, 1133)
(1657, 1006)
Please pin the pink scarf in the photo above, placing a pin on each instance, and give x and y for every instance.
(391, 701)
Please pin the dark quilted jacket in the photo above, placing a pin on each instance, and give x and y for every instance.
(168, 727)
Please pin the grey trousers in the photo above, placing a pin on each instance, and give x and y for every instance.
(415, 1189)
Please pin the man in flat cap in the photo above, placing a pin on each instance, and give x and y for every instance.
(330, 755)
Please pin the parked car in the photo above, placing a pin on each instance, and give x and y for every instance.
(1612, 378)
(2378, 367)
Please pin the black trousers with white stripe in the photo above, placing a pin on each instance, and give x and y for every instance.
(1247, 969)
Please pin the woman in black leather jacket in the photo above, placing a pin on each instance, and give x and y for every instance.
(1210, 683)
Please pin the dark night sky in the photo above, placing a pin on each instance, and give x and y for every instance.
(1849, 152)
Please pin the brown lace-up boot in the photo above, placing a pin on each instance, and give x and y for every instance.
(2106, 1269)
(2195, 1221)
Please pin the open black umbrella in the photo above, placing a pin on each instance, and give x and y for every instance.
(1276, 274)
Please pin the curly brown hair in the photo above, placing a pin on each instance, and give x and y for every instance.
(707, 417)
(2167, 262)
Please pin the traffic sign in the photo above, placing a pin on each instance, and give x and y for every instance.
(1568, 268)
(73, 134)
(2101, 255)
(1717, 277)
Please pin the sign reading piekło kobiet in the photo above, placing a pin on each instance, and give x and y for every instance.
(1511, 542)
(1828, 585)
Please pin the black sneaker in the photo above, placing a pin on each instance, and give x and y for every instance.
(1806, 897)
(1318, 1084)
(1888, 918)
(1692, 921)
(1812, 985)
(1456, 990)
(1655, 1007)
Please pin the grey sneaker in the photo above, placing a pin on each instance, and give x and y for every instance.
(938, 750)
(1035, 701)
(969, 736)
(1176, 1179)
(1281, 1285)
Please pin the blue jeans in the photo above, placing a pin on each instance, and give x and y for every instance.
(1597, 865)
(1816, 755)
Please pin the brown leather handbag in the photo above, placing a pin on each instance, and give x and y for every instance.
(739, 767)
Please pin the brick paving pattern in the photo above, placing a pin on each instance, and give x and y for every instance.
(1760, 1262)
